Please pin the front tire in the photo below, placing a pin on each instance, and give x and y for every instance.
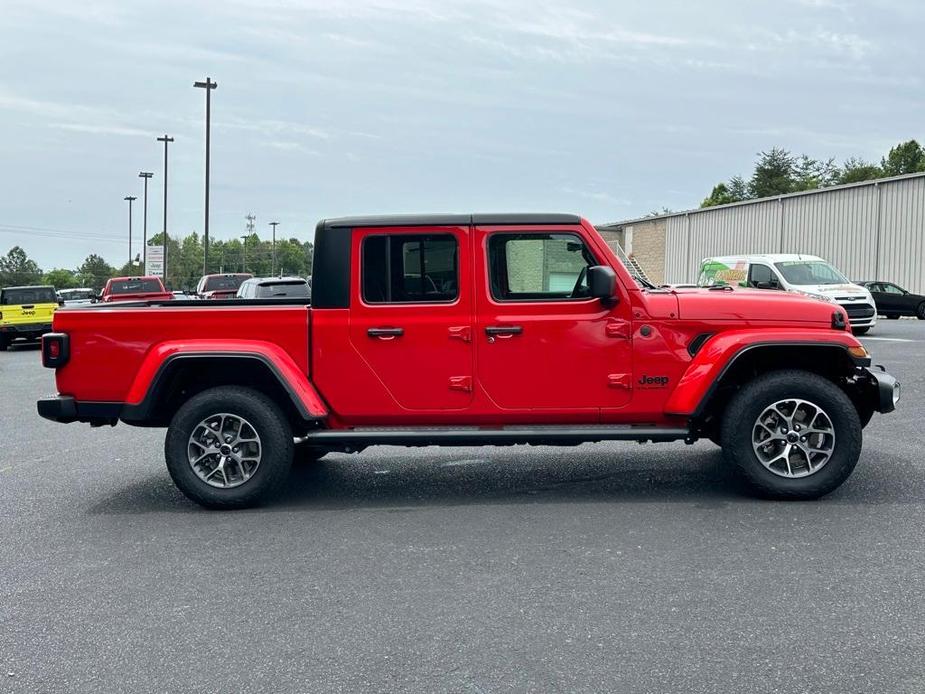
(792, 435)
(229, 447)
(920, 311)
(860, 331)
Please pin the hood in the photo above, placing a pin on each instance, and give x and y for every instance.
(753, 305)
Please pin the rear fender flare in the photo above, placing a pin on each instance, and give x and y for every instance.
(144, 391)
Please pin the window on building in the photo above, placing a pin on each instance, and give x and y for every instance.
(403, 268)
(530, 267)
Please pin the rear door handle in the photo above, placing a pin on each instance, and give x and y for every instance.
(385, 333)
(503, 330)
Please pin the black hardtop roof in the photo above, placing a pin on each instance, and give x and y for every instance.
(421, 220)
(29, 286)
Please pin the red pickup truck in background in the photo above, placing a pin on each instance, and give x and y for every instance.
(135, 289)
(470, 330)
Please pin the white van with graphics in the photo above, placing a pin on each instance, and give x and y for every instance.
(806, 274)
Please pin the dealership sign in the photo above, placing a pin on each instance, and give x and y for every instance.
(154, 263)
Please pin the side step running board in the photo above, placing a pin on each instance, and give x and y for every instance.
(475, 436)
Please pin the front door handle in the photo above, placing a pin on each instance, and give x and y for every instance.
(385, 333)
(493, 330)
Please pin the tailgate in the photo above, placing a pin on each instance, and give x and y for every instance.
(27, 314)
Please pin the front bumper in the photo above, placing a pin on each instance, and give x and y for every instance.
(882, 387)
(65, 409)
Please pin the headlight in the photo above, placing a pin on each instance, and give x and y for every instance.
(896, 393)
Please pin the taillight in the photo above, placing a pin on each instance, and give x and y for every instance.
(56, 350)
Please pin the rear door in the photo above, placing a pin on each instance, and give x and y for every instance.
(411, 324)
(542, 342)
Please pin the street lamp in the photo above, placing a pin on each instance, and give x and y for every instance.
(166, 140)
(144, 247)
(208, 85)
(274, 224)
(130, 199)
(244, 261)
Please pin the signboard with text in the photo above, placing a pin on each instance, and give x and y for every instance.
(155, 261)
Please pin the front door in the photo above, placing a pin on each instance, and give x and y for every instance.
(543, 342)
(412, 324)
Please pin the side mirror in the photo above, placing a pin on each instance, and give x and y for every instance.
(767, 285)
(602, 283)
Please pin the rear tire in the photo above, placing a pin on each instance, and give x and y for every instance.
(796, 474)
(229, 447)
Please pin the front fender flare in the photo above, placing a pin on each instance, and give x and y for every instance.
(721, 351)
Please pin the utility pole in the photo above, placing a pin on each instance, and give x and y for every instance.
(166, 140)
(244, 261)
(208, 85)
(274, 225)
(130, 199)
(144, 247)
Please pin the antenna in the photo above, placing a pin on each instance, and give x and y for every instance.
(251, 218)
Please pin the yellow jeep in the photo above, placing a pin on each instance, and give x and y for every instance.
(25, 313)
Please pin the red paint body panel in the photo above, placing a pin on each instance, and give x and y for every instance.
(573, 361)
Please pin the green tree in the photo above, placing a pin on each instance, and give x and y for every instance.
(857, 170)
(735, 190)
(809, 174)
(94, 271)
(16, 268)
(60, 279)
(904, 158)
(775, 174)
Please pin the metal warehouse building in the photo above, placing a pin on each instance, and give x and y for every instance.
(871, 230)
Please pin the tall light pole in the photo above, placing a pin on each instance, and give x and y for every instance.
(130, 199)
(244, 261)
(144, 245)
(208, 85)
(274, 224)
(166, 140)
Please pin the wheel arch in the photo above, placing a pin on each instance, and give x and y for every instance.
(828, 359)
(182, 375)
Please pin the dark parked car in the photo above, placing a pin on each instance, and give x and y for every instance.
(893, 301)
(275, 288)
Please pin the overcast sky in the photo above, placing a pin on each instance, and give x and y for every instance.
(327, 107)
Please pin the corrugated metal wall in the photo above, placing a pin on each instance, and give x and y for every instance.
(842, 225)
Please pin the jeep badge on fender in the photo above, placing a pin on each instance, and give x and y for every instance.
(653, 381)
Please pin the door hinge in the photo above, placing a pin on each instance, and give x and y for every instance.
(461, 332)
(619, 381)
(618, 328)
(463, 383)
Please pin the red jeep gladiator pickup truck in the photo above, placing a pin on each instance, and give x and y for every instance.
(471, 330)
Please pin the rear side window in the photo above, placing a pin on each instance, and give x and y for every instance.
(404, 268)
(538, 267)
(28, 295)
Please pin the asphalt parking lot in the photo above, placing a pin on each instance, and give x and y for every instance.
(599, 568)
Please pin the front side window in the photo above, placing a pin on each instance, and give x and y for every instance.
(891, 289)
(761, 276)
(538, 267)
(406, 268)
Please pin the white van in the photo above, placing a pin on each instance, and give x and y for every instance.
(806, 274)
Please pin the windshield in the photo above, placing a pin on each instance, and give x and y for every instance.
(228, 282)
(136, 287)
(801, 272)
(28, 295)
(282, 289)
(76, 294)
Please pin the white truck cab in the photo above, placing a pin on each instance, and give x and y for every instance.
(792, 272)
